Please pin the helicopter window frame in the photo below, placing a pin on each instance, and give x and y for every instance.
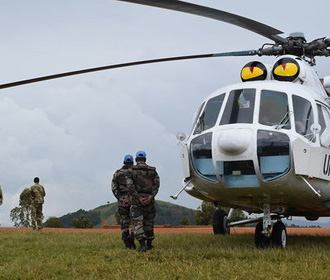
(195, 118)
(207, 118)
(240, 106)
(274, 109)
(323, 113)
(303, 119)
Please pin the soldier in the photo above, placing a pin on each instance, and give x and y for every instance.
(1, 196)
(146, 182)
(121, 186)
(37, 194)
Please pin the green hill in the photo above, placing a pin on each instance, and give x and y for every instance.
(166, 214)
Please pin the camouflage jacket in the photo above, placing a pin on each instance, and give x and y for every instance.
(37, 193)
(146, 180)
(122, 184)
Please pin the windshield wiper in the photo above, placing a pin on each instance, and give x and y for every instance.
(284, 121)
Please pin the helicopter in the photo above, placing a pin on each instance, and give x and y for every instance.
(260, 145)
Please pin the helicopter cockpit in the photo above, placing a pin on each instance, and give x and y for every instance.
(241, 135)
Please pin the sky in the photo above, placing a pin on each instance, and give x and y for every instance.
(74, 132)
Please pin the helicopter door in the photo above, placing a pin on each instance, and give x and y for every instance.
(311, 161)
(185, 161)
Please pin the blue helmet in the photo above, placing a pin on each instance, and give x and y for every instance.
(128, 159)
(141, 154)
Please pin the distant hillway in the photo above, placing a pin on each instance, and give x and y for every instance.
(166, 214)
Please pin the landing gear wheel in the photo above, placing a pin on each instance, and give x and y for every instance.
(220, 222)
(261, 240)
(279, 236)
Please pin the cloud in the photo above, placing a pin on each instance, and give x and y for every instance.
(74, 140)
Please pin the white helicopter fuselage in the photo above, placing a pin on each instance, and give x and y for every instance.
(263, 142)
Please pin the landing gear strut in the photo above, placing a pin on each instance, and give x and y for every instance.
(261, 239)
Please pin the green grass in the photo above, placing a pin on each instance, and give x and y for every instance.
(48, 255)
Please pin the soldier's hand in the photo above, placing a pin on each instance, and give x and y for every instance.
(144, 200)
(126, 202)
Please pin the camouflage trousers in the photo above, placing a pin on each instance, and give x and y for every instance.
(137, 217)
(143, 221)
(125, 220)
(36, 215)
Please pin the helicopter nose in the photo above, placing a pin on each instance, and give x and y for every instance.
(235, 141)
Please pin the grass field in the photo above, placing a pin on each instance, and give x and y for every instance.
(51, 255)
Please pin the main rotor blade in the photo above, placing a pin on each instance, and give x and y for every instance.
(128, 64)
(254, 26)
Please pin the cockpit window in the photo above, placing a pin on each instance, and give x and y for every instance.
(303, 114)
(239, 107)
(197, 113)
(210, 114)
(273, 150)
(274, 109)
(324, 121)
(201, 155)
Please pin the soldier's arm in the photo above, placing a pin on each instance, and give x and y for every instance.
(114, 186)
(156, 184)
(115, 190)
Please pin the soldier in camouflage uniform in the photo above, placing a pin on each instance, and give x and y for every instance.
(146, 182)
(122, 188)
(1, 196)
(37, 194)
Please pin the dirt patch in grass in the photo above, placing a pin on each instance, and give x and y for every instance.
(180, 229)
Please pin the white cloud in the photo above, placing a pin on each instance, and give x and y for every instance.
(76, 142)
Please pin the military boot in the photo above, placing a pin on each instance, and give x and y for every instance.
(143, 247)
(127, 243)
(132, 243)
(149, 244)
